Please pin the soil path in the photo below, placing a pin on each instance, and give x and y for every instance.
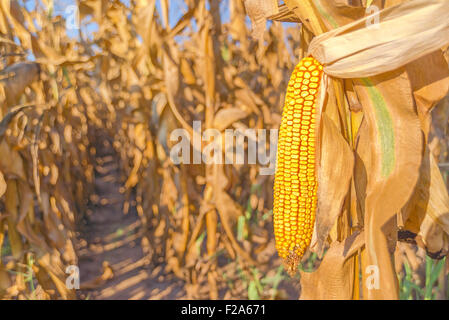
(111, 260)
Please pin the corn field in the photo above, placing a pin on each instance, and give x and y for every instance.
(116, 176)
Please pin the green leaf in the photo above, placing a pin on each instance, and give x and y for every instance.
(253, 293)
(385, 128)
(241, 228)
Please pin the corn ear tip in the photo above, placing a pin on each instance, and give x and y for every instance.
(291, 263)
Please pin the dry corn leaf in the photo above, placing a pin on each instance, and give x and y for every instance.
(225, 117)
(307, 13)
(259, 11)
(12, 12)
(337, 13)
(284, 15)
(57, 275)
(16, 78)
(228, 210)
(362, 165)
(415, 210)
(2, 184)
(434, 238)
(139, 59)
(357, 50)
(430, 199)
(11, 207)
(334, 176)
(4, 27)
(429, 77)
(5, 281)
(396, 154)
(334, 278)
(4, 123)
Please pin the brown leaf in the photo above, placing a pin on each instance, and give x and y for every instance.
(53, 267)
(2, 185)
(228, 210)
(337, 13)
(395, 158)
(259, 11)
(415, 210)
(334, 176)
(284, 15)
(16, 78)
(433, 238)
(5, 280)
(334, 278)
(225, 117)
(429, 77)
(358, 50)
(427, 212)
(307, 13)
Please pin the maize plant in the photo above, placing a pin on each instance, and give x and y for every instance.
(375, 171)
(357, 181)
(45, 164)
(42, 187)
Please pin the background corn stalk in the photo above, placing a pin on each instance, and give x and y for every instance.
(138, 77)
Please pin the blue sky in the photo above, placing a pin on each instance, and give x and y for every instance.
(177, 9)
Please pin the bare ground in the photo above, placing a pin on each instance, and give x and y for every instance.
(111, 260)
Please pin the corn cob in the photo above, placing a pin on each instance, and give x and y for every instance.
(295, 184)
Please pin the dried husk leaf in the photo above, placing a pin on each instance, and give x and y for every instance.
(415, 210)
(430, 200)
(438, 207)
(334, 278)
(356, 51)
(429, 78)
(334, 176)
(2, 184)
